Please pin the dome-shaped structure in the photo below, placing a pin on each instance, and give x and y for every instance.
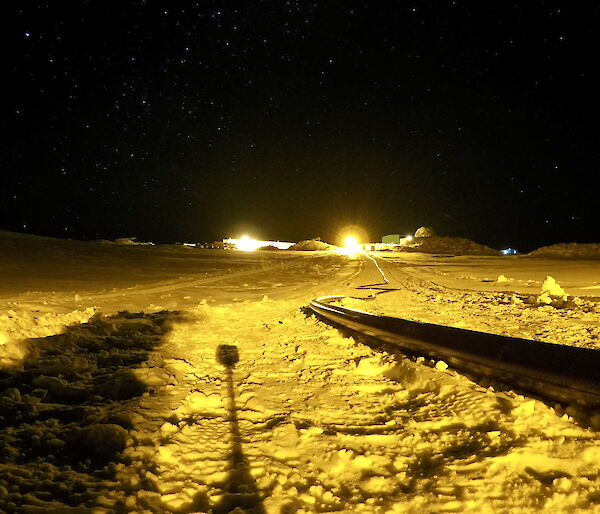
(424, 232)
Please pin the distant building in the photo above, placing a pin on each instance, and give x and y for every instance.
(509, 251)
(391, 239)
(395, 240)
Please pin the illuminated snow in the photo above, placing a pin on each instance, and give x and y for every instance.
(307, 419)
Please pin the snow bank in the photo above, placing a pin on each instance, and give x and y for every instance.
(17, 325)
(447, 245)
(569, 250)
(311, 245)
(268, 248)
(126, 241)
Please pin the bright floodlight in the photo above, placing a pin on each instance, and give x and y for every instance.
(350, 242)
(246, 244)
(351, 246)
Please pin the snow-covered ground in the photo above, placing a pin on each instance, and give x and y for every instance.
(173, 379)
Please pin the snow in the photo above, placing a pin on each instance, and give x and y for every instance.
(552, 292)
(446, 245)
(311, 245)
(159, 379)
(569, 250)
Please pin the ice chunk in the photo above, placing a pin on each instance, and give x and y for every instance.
(378, 485)
(552, 287)
(441, 365)
(373, 366)
(199, 403)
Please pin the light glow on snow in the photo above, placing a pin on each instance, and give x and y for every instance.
(247, 244)
(351, 246)
(307, 414)
(351, 243)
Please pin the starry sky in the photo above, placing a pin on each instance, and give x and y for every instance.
(186, 121)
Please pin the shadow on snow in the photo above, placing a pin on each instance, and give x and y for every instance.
(240, 488)
(65, 410)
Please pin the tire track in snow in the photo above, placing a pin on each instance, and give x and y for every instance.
(183, 284)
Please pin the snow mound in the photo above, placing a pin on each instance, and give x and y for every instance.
(126, 241)
(100, 439)
(311, 245)
(373, 366)
(18, 324)
(552, 287)
(447, 245)
(268, 248)
(569, 250)
(552, 293)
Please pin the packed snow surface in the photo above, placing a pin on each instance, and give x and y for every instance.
(162, 379)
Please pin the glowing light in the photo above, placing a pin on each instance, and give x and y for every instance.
(247, 245)
(409, 238)
(351, 246)
(351, 243)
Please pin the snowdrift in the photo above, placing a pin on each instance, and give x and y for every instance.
(311, 245)
(569, 250)
(447, 245)
(268, 248)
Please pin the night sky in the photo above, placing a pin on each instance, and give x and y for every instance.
(186, 121)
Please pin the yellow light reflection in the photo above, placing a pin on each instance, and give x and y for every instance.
(351, 246)
(246, 244)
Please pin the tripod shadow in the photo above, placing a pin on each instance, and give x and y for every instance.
(240, 490)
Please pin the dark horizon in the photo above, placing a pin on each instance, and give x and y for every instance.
(290, 121)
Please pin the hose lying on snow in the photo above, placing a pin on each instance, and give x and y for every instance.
(563, 373)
